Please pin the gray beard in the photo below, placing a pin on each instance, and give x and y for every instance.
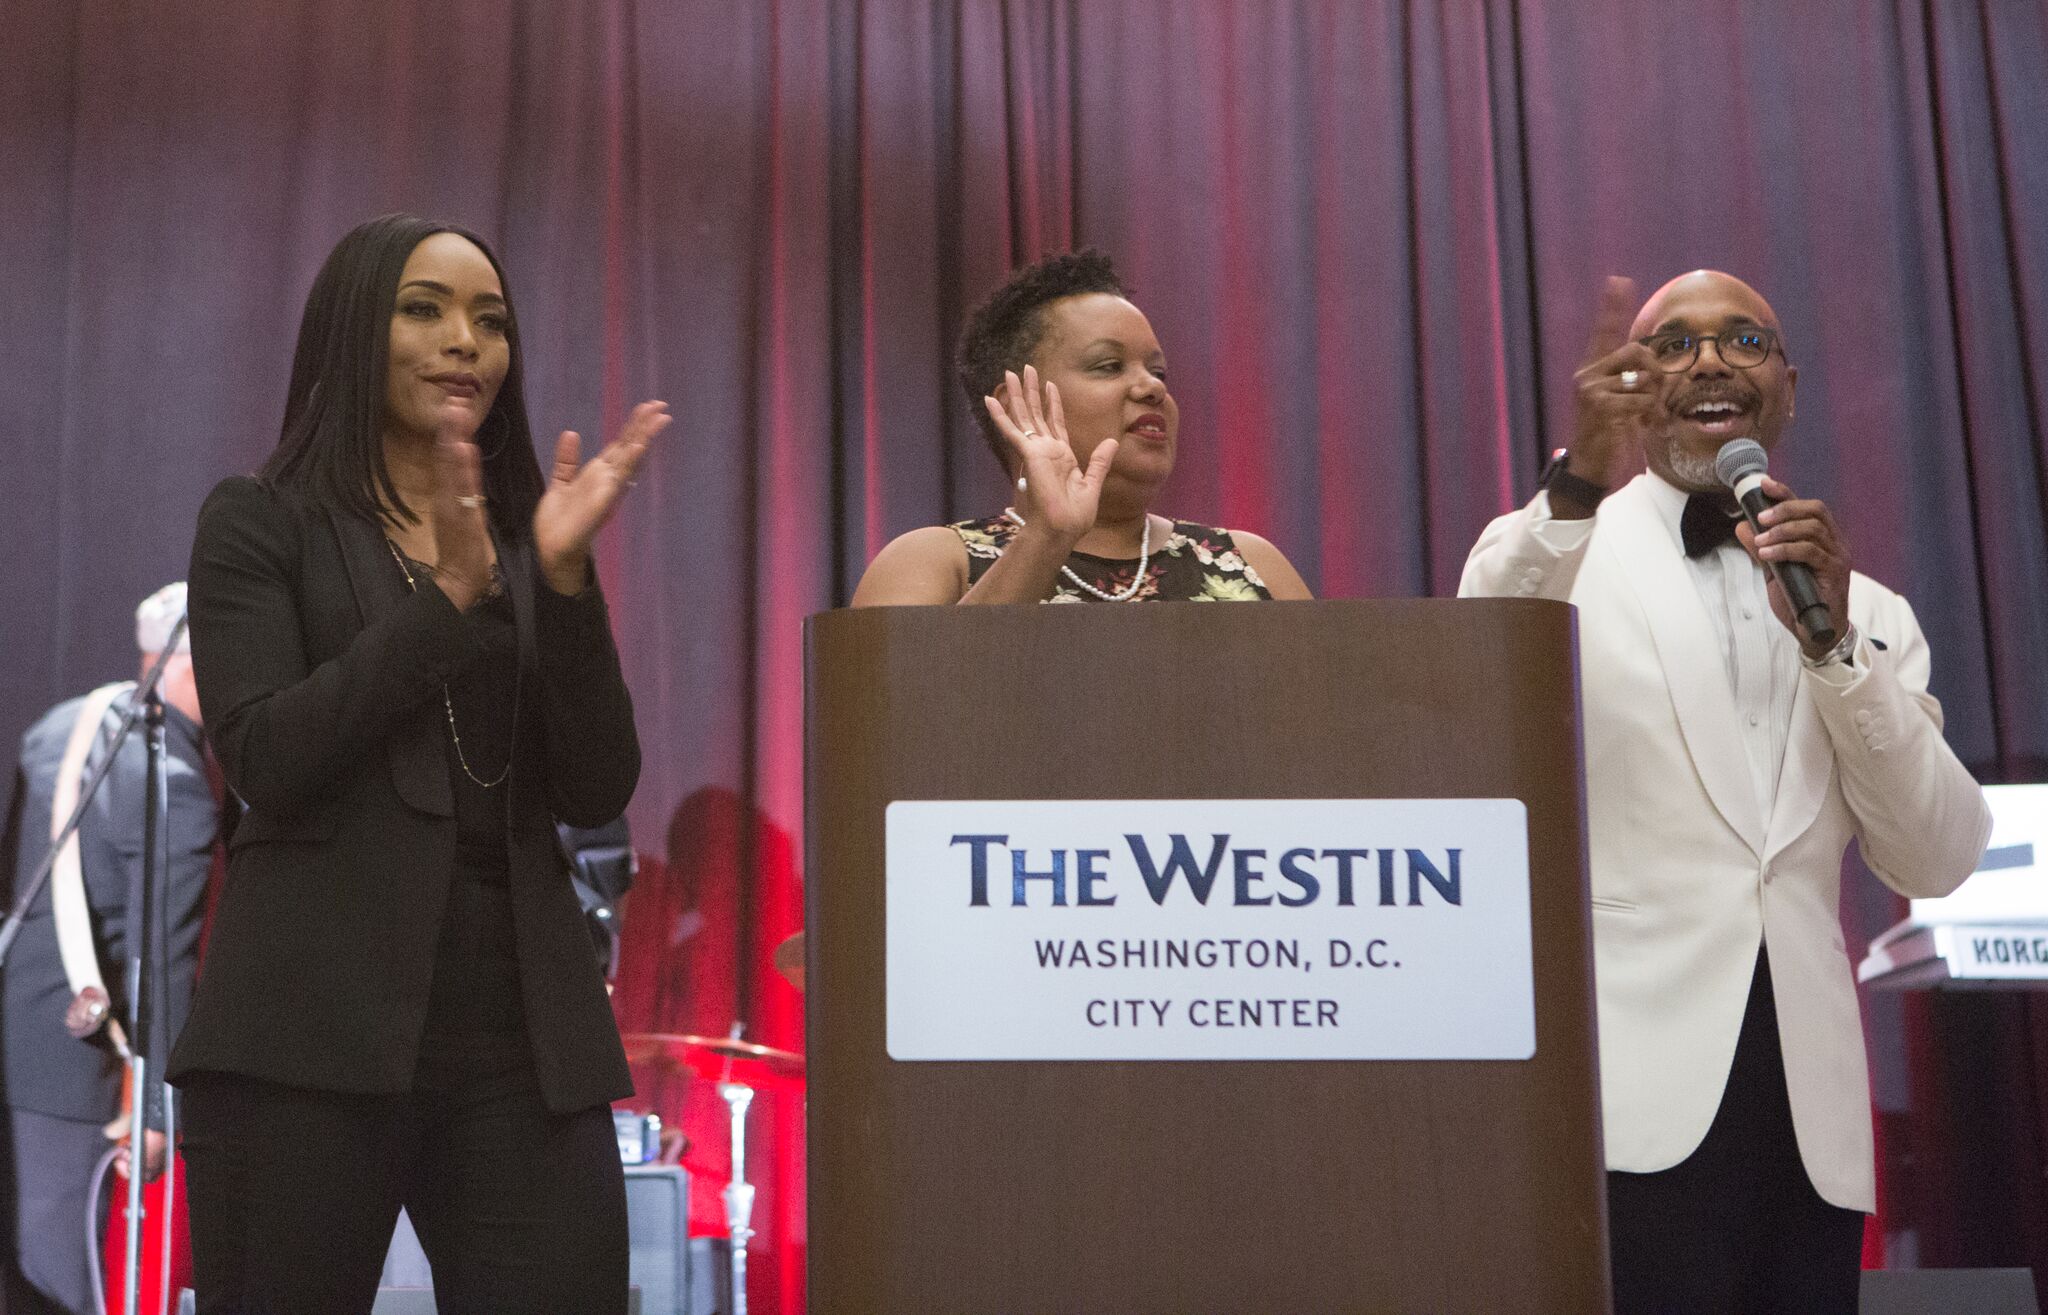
(1691, 472)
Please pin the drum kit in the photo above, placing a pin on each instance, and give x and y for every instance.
(738, 1069)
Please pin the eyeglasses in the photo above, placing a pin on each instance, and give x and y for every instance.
(1743, 348)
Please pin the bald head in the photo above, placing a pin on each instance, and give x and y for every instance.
(1669, 303)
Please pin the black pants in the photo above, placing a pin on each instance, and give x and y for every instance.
(295, 1193)
(1737, 1226)
(48, 1171)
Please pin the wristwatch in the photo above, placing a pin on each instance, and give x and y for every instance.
(1562, 483)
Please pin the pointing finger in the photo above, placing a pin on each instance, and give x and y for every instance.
(1611, 320)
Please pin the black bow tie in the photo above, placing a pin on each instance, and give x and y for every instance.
(1706, 524)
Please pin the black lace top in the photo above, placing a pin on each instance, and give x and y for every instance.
(1196, 564)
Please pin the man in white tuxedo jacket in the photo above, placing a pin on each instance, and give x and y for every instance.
(1729, 763)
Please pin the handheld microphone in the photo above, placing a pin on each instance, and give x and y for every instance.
(1741, 465)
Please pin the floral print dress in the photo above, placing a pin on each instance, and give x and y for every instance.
(1196, 564)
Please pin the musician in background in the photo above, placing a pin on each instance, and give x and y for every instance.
(63, 1083)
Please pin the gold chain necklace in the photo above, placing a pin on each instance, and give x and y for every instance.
(447, 702)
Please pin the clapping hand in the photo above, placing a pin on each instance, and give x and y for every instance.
(580, 498)
(462, 534)
(1055, 495)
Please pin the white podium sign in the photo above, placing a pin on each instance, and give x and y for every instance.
(1209, 929)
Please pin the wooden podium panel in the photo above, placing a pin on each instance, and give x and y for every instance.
(1181, 1187)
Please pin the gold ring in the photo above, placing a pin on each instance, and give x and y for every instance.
(471, 500)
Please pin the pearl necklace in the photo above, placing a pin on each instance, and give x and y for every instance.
(447, 702)
(1137, 581)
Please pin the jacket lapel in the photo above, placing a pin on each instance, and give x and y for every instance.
(1803, 779)
(1650, 560)
(419, 763)
(516, 562)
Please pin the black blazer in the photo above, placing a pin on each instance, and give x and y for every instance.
(321, 679)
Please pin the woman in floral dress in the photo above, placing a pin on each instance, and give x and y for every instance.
(1071, 383)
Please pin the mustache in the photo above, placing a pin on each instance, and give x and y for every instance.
(1738, 394)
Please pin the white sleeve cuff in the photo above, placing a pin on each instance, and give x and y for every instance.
(1559, 536)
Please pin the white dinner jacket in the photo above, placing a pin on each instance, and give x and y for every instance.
(1688, 873)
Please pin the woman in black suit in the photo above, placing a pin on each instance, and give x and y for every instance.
(409, 677)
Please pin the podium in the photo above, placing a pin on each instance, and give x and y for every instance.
(1142, 1186)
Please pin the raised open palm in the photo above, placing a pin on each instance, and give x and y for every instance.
(1053, 490)
(580, 498)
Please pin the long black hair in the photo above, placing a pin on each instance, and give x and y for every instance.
(331, 446)
(1003, 331)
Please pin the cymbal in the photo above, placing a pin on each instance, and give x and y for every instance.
(714, 1057)
(789, 960)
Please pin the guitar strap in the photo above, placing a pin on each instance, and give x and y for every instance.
(68, 907)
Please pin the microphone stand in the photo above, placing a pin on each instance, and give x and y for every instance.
(140, 919)
(148, 937)
(739, 1193)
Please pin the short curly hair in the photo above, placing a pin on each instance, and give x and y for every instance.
(1007, 327)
